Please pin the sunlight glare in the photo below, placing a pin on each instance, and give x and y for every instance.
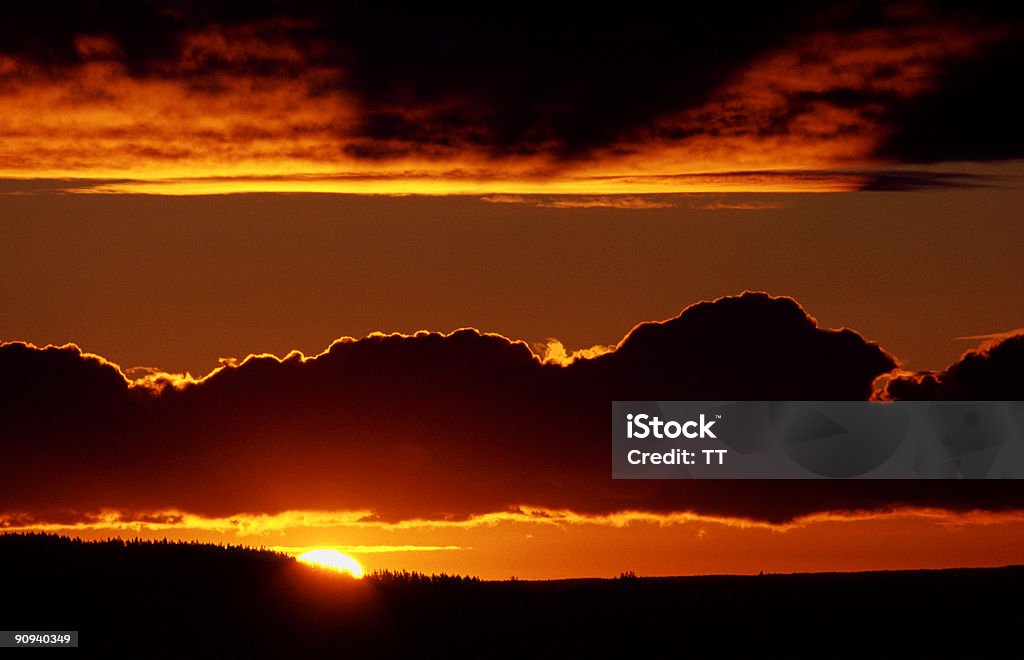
(334, 560)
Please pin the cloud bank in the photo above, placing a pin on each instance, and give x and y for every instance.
(437, 427)
(177, 96)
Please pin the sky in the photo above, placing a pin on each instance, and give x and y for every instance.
(239, 242)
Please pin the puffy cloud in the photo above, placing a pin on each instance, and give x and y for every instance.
(430, 426)
(447, 427)
(994, 372)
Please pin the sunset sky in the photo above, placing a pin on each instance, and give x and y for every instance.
(255, 230)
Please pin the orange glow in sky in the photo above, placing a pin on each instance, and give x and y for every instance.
(535, 544)
(272, 220)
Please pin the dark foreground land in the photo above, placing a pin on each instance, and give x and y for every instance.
(192, 600)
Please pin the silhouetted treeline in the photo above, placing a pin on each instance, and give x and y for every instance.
(163, 599)
(43, 543)
(405, 578)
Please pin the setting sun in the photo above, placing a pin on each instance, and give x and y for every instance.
(334, 560)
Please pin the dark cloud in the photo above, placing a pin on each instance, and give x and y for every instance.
(906, 180)
(746, 347)
(859, 179)
(431, 425)
(526, 83)
(992, 373)
(973, 113)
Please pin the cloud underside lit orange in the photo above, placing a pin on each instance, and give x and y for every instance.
(540, 544)
(780, 123)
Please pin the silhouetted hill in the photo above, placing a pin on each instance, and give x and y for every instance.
(172, 599)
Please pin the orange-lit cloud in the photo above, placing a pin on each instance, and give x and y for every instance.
(587, 202)
(818, 102)
(738, 206)
(993, 337)
(267, 100)
(554, 352)
(546, 544)
(250, 526)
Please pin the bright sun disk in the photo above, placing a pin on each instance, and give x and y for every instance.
(334, 560)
